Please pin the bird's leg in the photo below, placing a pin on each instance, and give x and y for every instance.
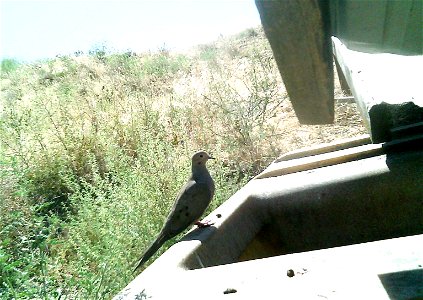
(206, 223)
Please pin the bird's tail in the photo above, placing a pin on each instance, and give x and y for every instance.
(150, 251)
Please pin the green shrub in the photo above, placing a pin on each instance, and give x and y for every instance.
(208, 52)
(163, 64)
(248, 33)
(9, 65)
(126, 63)
(99, 52)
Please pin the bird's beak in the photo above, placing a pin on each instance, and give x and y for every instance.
(211, 157)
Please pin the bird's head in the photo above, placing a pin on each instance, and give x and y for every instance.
(200, 158)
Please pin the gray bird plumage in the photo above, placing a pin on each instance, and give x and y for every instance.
(190, 204)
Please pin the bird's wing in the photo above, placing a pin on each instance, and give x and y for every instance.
(189, 206)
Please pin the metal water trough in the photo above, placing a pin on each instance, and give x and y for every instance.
(281, 232)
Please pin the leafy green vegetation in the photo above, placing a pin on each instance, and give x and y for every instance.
(93, 150)
(9, 65)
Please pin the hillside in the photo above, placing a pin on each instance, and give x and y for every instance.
(94, 148)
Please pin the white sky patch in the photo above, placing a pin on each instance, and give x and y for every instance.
(43, 29)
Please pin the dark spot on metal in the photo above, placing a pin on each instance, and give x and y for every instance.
(219, 215)
(290, 273)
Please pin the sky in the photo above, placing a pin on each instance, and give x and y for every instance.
(34, 29)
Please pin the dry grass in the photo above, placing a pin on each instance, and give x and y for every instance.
(94, 148)
(234, 65)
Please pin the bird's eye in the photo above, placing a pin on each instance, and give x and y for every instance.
(201, 155)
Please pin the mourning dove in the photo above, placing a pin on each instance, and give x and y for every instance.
(190, 204)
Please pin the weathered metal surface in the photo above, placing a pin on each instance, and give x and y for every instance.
(276, 218)
(383, 270)
(379, 25)
(387, 88)
(299, 34)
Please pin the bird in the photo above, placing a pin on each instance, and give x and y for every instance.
(190, 203)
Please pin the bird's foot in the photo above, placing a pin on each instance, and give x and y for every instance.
(206, 223)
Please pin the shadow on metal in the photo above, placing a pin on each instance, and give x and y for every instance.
(288, 218)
